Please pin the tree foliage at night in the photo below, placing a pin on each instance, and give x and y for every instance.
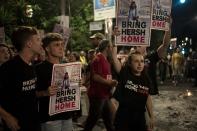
(45, 16)
(45, 12)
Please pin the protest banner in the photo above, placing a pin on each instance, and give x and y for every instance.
(104, 9)
(66, 77)
(161, 10)
(64, 31)
(134, 21)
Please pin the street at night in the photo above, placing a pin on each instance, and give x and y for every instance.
(98, 65)
(174, 109)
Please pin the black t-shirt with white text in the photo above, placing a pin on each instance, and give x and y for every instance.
(44, 74)
(132, 91)
(17, 93)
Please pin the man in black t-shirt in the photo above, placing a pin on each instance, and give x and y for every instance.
(54, 47)
(18, 83)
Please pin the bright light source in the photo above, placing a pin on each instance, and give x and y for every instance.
(186, 38)
(190, 41)
(188, 93)
(183, 52)
(182, 1)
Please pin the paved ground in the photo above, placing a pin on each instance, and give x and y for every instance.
(173, 109)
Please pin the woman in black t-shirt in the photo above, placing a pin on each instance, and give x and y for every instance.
(133, 96)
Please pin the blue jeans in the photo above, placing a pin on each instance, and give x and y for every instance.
(58, 125)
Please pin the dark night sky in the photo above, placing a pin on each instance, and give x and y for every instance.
(184, 19)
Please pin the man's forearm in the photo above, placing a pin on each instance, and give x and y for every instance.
(99, 79)
(116, 63)
(162, 48)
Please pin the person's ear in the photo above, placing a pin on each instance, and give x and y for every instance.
(28, 44)
(47, 49)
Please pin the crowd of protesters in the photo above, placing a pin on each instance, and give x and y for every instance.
(119, 91)
(178, 67)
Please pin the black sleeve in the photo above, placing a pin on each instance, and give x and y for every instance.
(40, 84)
(115, 75)
(148, 81)
(1, 88)
(4, 91)
(118, 94)
(44, 75)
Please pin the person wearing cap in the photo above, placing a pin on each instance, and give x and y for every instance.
(100, 86)
(53, 45)
(96, 38)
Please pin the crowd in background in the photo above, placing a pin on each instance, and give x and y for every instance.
(172, 65)
(101, 68)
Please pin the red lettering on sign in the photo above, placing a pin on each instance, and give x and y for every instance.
(65, 105)
(136, 39)
(160, 24)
